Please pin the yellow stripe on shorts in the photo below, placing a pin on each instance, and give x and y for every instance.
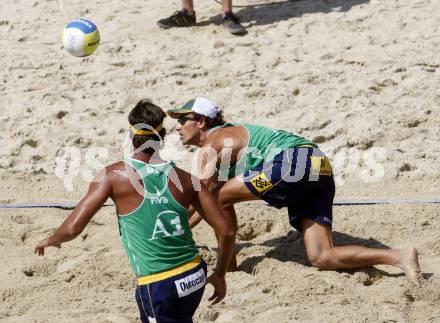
(321, 166)
(144, 280)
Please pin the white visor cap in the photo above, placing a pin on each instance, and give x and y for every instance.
(205, 107)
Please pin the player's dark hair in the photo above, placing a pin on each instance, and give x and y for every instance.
(149, 114)
(211, 122)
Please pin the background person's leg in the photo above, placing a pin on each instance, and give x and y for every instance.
(226, 4)
(323, 255)
(185, 17)
(230, 21)
(188, 5)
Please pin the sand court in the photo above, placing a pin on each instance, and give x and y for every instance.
(89, 279)
(353, 76)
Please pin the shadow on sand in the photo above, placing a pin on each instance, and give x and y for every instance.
(272, 12)
(291, 248)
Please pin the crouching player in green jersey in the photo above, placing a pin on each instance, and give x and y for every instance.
(152, 197)
(245, 162)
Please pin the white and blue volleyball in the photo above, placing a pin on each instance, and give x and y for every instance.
(80, 37)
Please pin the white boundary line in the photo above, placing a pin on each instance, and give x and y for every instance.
(342, 202)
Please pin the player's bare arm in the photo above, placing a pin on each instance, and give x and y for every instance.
(213, 155)
(207, 206)
(99, 191)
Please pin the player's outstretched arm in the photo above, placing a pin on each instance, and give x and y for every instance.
(206, 204)
(99, 191)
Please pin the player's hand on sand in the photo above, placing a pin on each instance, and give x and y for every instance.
(219, 284)
(39, 248)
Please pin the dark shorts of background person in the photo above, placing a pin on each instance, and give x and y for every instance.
(174, 299)
(300, 179)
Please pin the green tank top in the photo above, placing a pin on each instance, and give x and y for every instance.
(263, 145)
(156, 236)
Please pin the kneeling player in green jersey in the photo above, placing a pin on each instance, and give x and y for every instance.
(152, 197)
(244, 162)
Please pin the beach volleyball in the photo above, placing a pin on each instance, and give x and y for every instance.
(80, 37)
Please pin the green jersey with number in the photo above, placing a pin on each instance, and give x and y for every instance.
(156, 236)
(263, 145)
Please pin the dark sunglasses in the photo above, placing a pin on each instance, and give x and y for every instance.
(182, 120)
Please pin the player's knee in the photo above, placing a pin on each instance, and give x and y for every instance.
(320, 260)
(224, 201)
(230, 214)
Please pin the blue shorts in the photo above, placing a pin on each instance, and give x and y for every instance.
(300, 179)
(174, 299)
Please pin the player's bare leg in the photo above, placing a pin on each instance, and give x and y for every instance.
(323, 255)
